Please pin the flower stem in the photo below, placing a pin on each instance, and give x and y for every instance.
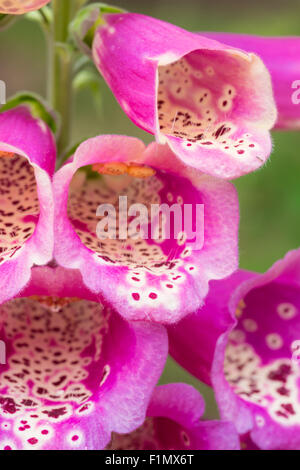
(60, 65)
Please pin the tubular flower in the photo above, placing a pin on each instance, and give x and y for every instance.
(173, 423)
(245, 341)
(75, 371)
(255, 372)
(19, 7)
(213, 104)
(27, 159)
(192, 341)
(282, 57)
(161, 277)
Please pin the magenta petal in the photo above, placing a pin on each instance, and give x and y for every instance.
(282, 58)
(27, 160)
(173, 423)
(255, 372)
(144, 280)
(193, 340)
(213, 104)
(75, 371)
(18, 7)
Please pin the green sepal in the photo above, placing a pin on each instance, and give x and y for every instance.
(86, 22)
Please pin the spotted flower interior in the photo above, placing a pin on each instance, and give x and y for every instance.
(19, 204)
(262, 355)
(55, 366)
(204, 101)
(164, 255)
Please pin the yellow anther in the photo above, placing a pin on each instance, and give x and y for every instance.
(6, 154)
(51, 301)
(138, 171)
(112, 168)
(240, 309)
(120, 168)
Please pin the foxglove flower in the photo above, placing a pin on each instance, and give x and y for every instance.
(282, 57)
(255, 369)
(173, 423)
(27, 160)
(158, 279)
(75, 371)
(256, 372)
(192, 341)
(19, 7)
(212, 103)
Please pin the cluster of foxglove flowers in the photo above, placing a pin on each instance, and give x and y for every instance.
(87, 324)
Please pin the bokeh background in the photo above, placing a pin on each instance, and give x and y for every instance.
(269, 198)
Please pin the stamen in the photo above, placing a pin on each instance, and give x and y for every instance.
(54, 302)
(138, 171)
(239, 310)
(113, 168)
(119, 168)
(6, 154)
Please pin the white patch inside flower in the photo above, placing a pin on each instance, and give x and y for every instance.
(237, 335)
(286, 311)
(274, 341)
(250, 325)
(273, 386)
(260, 421)
(75, 438)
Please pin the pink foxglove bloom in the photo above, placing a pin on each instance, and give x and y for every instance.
(143, 279)
(255, 370)
(282, 58)
(173, 423)
(212, 103)
(192, 341)
(27, 160)
(19, 7)
(74, 371)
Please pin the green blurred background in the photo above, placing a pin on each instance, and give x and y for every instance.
(269, 198)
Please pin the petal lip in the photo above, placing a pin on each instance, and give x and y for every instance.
(282, 58)
(173, 423)
(271, 435)
(227, 167)
(128, 50)
(30, 138)
(221, 216)
(179, 401)
(120, 404)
